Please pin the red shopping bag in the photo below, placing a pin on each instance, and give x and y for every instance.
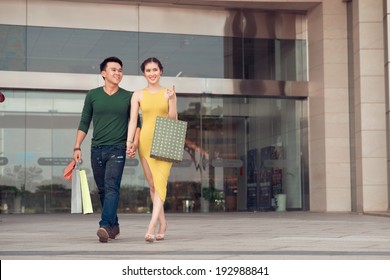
(68, 169)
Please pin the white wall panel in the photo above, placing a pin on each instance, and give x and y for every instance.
(82, 15)
(13, 12)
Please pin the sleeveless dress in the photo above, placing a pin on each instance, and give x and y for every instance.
(153, 105)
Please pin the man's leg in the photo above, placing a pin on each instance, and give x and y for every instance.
(116, 157)
(98, 163)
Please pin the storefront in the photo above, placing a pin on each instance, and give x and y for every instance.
(232, 142)
(242, 88)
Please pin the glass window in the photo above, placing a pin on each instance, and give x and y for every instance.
(37, 133)
(13, 48)
(239, 153)
(70, 50)
(233, 130)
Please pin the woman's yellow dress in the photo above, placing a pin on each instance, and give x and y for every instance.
(153, 105)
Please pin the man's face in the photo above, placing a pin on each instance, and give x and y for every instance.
(113, 73)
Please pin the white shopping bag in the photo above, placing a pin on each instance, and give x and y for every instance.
(76, 204)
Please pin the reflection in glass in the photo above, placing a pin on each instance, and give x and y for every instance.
(224, 134)
(70, 50)
(13, 48)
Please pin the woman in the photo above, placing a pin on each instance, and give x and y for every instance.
(154, 100)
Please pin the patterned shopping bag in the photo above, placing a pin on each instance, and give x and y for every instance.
(168, 139)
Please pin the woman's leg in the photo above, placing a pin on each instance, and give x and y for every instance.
(158, 205)
(163, 226)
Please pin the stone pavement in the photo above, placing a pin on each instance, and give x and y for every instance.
(200, 236)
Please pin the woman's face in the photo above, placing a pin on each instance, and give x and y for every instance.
(152, 73)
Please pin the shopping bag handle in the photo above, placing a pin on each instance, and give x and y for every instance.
(78, 164)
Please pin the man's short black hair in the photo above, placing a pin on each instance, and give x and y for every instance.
(103, 65)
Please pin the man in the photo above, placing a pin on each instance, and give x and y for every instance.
(108, 108)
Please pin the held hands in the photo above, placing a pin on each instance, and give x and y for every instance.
(130, 149)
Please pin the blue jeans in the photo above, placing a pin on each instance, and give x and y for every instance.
(107, 165)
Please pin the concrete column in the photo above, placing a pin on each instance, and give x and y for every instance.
(369, 106)
(386, 40)
(329, 145)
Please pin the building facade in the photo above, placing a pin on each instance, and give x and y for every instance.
(281, 97)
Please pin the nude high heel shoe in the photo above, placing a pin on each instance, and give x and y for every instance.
(161, 236)
(149, 237)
